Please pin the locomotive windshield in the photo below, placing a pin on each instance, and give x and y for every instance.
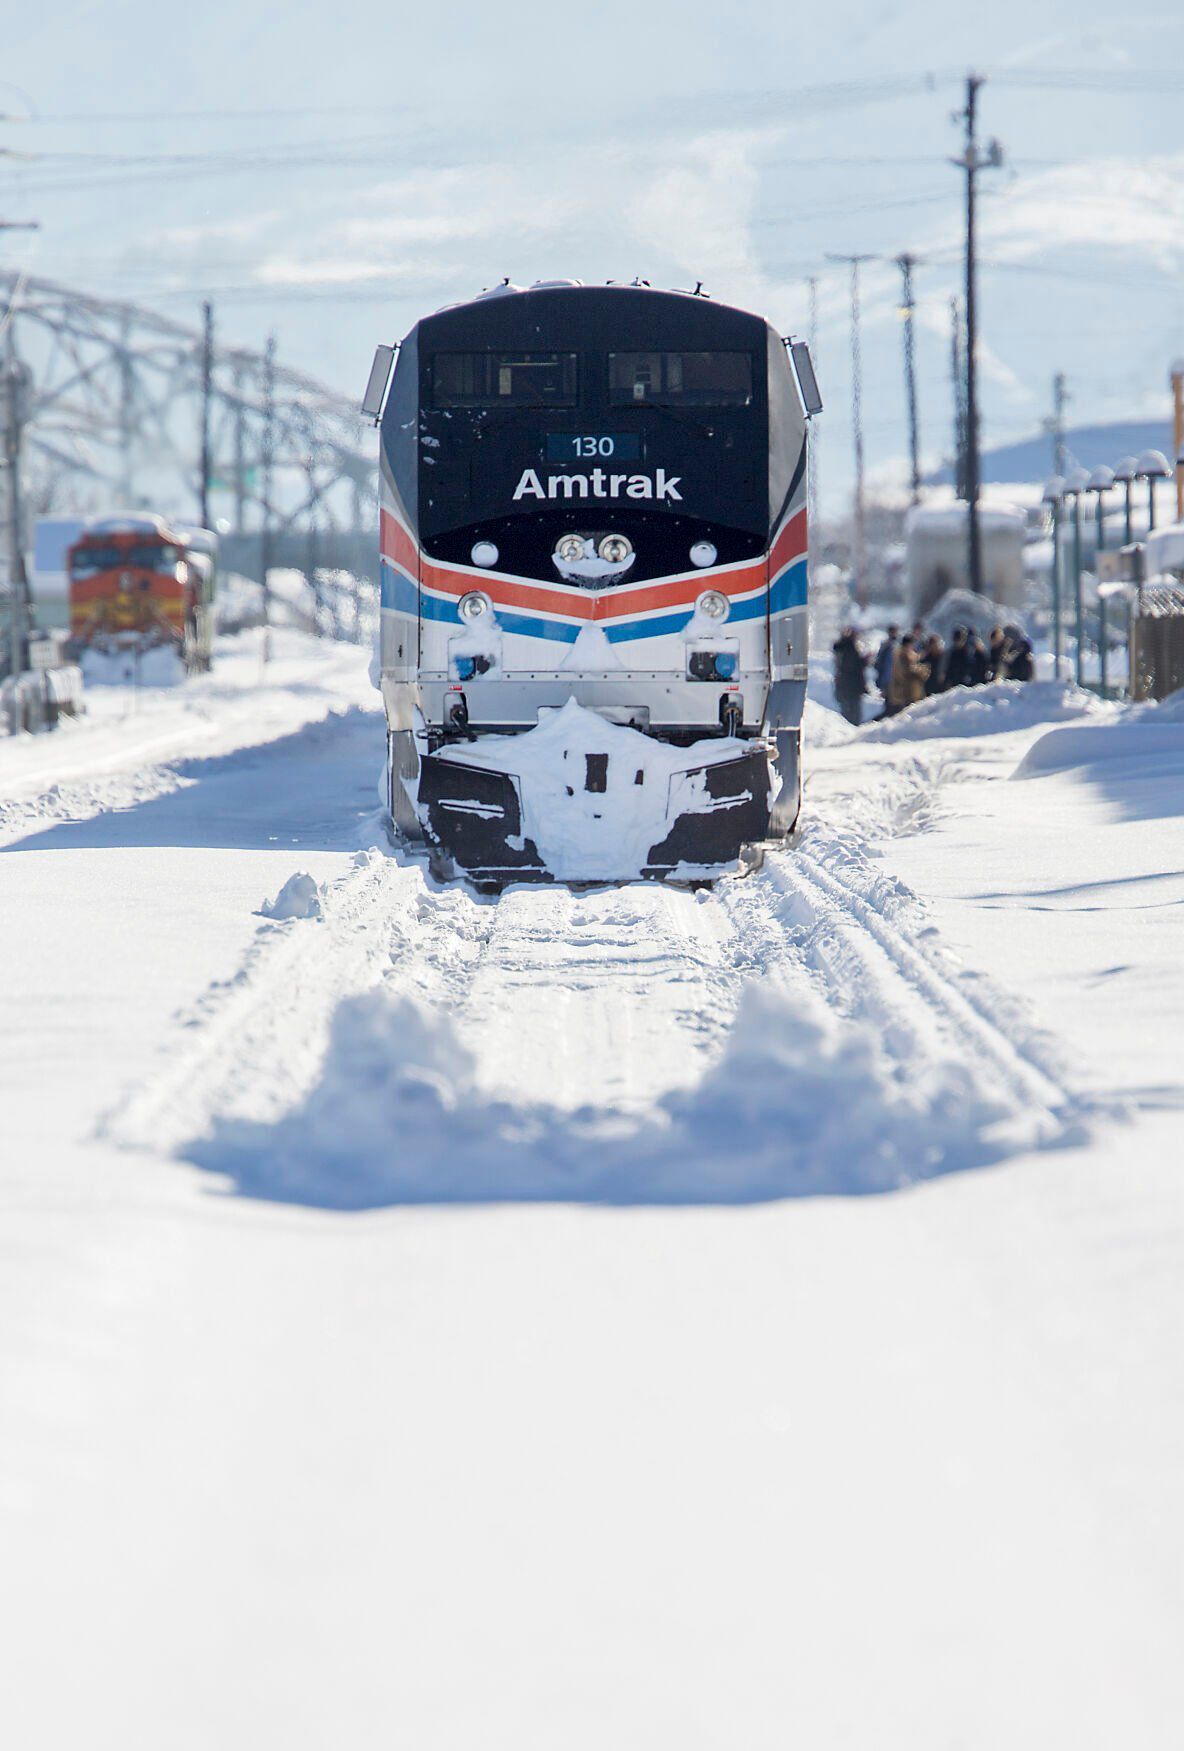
(670, 412)
(152, 556)
(506, 379)
(680, 379)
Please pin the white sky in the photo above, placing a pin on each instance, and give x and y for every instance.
(334, 174)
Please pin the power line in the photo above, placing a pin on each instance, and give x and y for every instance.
(1089, 79)
(836, 93)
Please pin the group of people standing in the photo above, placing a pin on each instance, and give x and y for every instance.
(909, 668)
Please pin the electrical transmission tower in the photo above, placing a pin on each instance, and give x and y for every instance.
(129, 410)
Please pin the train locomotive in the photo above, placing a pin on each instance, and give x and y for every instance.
(139, 585)
(593, 562)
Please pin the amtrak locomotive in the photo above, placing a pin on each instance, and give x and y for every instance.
(593, 582)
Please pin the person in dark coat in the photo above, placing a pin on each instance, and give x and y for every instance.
(883, 666)
(978, 663)
(996, 666)
(933, 655)
(850, 675)
(1020, 664)
(958, 659)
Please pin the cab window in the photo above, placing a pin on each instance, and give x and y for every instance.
(680, 379)
(510, 378)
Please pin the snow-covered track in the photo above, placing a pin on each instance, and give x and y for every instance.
(883, 964)
(253, 1044)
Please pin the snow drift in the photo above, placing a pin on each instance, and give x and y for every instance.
(988, 711)
(1142, 733)
(800, 1103)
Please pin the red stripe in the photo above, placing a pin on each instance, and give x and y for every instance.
(104, 586)
(509, 593)
(397, 545)
(574, 603)
(790, 543)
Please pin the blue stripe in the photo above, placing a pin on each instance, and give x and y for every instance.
(397, 591)
(529, 626)
(443, 609)
(788, 589)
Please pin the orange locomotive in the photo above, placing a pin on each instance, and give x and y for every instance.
(137, 583)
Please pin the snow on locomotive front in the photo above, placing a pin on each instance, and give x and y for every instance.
(593, 540)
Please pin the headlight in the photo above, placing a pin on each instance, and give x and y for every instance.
(484, 553)
(570, 548)
(615, 549)
(473, 606)
(703, 553)
(713, 605)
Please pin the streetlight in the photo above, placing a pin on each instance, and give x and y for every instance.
(1053, 493)
(1124, 475)
(1152, 466)
(1100, 482)
(1077, 482)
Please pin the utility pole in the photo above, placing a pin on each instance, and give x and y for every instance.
(973, 160)
(1178, 433)
(812, 443)
(906, 263)
(240, 489)
(859, 538)
(958, 379)
(268, 459)
(207, 385)
(1055, 426)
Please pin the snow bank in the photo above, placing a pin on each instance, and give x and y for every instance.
(800, 1103)
(1141, 733)
(823, 726)
(988, 711)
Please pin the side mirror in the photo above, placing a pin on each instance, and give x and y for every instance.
(380, 376)
(803, 370)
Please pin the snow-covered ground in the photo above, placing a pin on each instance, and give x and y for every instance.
(455, 1321)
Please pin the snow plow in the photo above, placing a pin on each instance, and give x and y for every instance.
(593, 546)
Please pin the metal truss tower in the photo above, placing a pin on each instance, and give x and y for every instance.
(121, 399)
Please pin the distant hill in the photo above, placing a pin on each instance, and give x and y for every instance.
(1031, 458)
